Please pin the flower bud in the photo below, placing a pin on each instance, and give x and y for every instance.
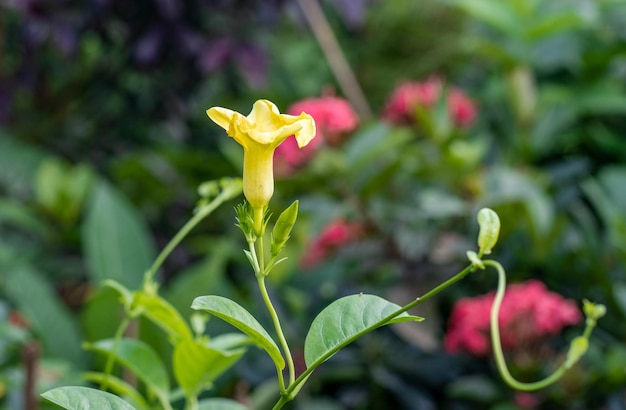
(577, 349)
(593, 311)
(489, 230)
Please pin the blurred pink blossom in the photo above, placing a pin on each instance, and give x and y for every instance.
(334, 117)
(526, 401)
(461, 108)
(406, 98)
(336, 234)
(529, 312)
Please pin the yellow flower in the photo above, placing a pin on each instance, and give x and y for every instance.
(259, 134)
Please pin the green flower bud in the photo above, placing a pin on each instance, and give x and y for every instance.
(577, 349)
(283, 226)
(593, 311)
(489, 230)
(208, 189)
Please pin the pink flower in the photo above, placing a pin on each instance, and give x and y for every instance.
(405, 100)
(461, 108)
(527, 401)
(529, 313)
(408, 96)
(335, 235)
(288, 156)
(334, 117)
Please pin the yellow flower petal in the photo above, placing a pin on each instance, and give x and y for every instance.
(259, 133)
(221, 116)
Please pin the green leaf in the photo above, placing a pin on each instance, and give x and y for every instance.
(505, 186)
(612, 215)
(554, 24)
(85, 398)
(344, 321)
(197, 365)
(159, 311)
(119, 387)
(49, 181)
(600, 98)
(239, 317)
(139, 358)
(371, 143)
(115, 239)
(17, 214)
(495, 13)
(613, 179)
(100, 315)
(220, 404)
(18, 164)
(205, 277)
(48, 317)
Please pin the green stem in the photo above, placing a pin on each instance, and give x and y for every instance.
(296, 385)
(255, 259)
(280, 403)
(497, 346)
(279, 332)
(184, 231)
(263, 271)
(164, 402)
(192, 403)
(108, 367)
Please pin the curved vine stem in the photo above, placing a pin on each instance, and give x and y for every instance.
(497, 345)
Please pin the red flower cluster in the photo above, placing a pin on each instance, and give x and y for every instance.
(528, 313)
(334, 117)
(335, 235)
(403, 102)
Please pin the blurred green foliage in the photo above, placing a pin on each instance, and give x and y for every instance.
(104, 139)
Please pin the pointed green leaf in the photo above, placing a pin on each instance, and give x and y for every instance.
(29, 290)
(15, 213)
(496, 14)
(116, 240)
(239, 317)
(344, 321)
(119, 387)
(19, 162)
(204, 278)
(139, 358)
(220, 404)
(100, 315)
(159, 311)
(85, 398)
(197, 365)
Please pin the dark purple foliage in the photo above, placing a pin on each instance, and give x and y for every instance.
(182, 40)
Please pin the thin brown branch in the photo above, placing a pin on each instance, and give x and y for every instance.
(335, 56)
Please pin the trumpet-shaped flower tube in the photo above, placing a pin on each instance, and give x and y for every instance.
(259, 133)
